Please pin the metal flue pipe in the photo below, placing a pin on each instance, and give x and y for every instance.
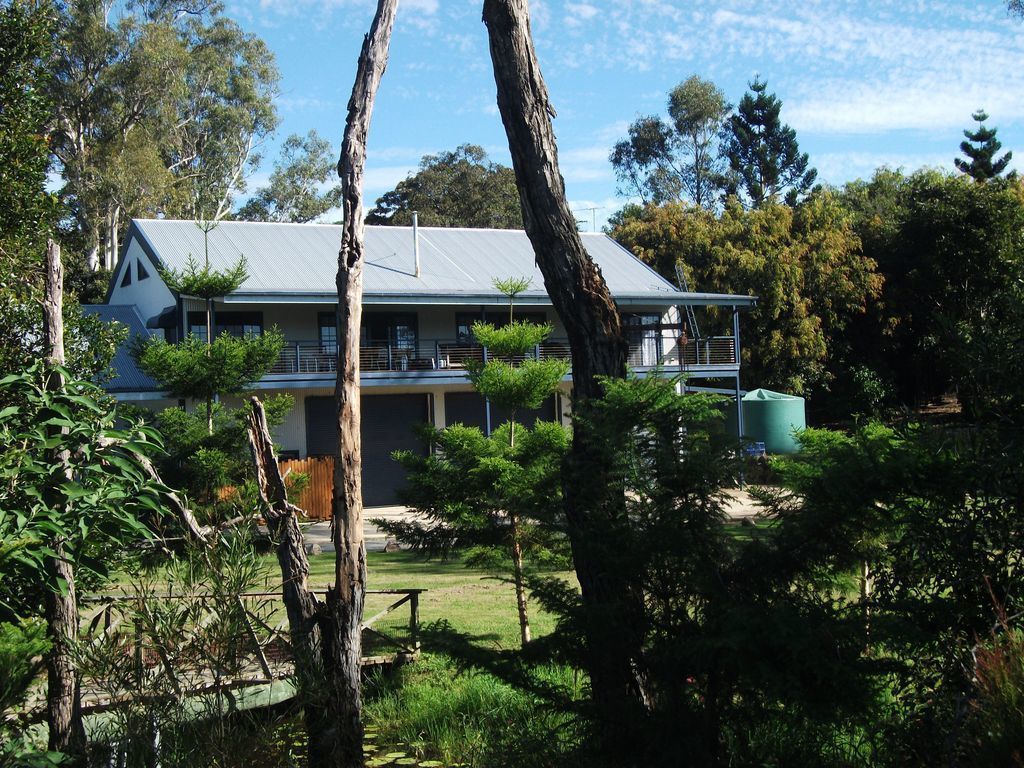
(416, 241)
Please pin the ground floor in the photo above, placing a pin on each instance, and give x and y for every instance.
(390, 420)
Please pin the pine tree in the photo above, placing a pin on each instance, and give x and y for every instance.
(981, 148)
(764, 156)
(490, 494)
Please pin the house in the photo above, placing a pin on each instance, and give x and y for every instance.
(423, 289)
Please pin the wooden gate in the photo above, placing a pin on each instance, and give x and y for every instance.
(317, 497)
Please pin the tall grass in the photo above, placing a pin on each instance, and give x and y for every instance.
(469, 717)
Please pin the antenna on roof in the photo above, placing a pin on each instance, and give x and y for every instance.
(416, 241)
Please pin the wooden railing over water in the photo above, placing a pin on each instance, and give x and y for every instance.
(187, 644)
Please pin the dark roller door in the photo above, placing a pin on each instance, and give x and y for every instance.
(468, 408)
(387, 425)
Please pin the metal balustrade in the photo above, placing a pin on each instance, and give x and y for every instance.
(645, 351)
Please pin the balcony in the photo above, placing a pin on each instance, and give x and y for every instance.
(433, 358)
(300, 357)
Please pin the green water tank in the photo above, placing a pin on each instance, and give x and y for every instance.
(772, 418)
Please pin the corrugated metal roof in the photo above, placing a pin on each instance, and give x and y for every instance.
(297, 259)
(128, 377)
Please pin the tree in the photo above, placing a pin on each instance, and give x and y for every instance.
(488, 493)
(668, 161)
(69, 482)
(342, 746)
(763, 153)
(453, 189)
(594, 503)
(949, 253)
(805, 264)
(204, 370)
(200, 368)
(293, 193)
(28, 212)
(945, 512)
(981, 148)
(156, 112)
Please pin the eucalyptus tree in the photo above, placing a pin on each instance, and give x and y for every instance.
(342, 616)
(156, 111)
(594, 503)
(293, 192)
(670, 160)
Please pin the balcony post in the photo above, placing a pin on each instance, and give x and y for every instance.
(437, 355)
(736, 335)
(536, 351)
(298, 357)
(390, 366)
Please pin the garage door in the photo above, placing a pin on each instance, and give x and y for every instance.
(468, 408)
(387, 425)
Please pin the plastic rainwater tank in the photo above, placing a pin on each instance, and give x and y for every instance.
(772, 418)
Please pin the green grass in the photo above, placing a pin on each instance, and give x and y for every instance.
(473, 601)
(465, 716)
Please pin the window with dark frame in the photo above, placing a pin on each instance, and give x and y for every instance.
(140, 270)
(498, 318)
(127, 279)
(397, 329)
(328, 332)
(243, 325)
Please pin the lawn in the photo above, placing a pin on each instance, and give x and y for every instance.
(471, 600)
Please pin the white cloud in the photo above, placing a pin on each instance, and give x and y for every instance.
(381, 179)
(840, 167)
(839, 66)
(584, 164)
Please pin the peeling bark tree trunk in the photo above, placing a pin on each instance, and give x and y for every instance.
(63, 705)
(344, 610)
(300, 601)
(594, 510)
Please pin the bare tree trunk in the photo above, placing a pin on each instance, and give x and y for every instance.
(344, 611)
(595, 511)
(63, 706)
(300, 601)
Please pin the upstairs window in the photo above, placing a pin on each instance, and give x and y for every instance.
(328, 332)
(498, 318)
(140, 270)
(397, 329)
(240, 324)
(127, 279)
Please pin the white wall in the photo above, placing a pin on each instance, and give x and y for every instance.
(150, 296)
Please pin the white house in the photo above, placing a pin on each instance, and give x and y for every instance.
(423, 289)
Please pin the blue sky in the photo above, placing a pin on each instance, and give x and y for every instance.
(865, 84)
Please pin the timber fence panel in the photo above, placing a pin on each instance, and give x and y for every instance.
(316, 498)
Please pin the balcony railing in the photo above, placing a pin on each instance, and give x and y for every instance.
(653, 348)
(422, 355)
